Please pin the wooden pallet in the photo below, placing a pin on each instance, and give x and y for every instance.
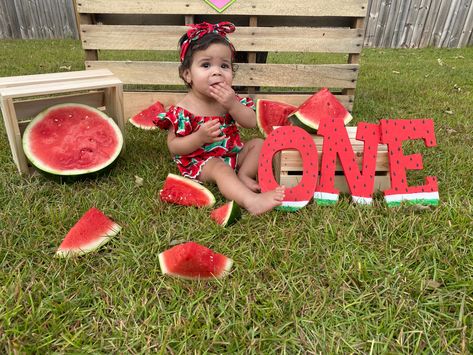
(23, 97)
(288, 164)
(323, 26)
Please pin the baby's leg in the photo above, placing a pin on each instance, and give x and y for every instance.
(248, 163)
(232, 188)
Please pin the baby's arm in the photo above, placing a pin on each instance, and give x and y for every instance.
(209, 132)
(225, 95)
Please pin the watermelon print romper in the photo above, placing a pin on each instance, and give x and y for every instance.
(184, 123)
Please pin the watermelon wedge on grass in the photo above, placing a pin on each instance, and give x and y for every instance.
(194, 261)
(72, 140)
(227, 214)
(145, 118)
(183, 191)
(93, 230)
(272, 113)
(322, 104)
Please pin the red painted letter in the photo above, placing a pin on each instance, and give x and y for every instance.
(393, 133)
(289, 137)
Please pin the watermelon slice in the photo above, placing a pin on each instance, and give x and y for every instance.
(183, 191)
(72, 139)
(272, 113)
(194, 261)
(321, 104)
(227, 214)
(144, 119)
(93, 230)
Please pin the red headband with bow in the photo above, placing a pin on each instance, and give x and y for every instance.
(201, 29)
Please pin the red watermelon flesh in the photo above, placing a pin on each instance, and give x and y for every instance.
(194, 261)
(272, 113)
(183, 191)
(72, 139)
(89, 233)
(227, 214)
(321, 104)
(144, 119)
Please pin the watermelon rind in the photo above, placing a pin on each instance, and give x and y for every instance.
(106, 229)
(191, 185)
(232, 214)
(325, 198)
(305, 123)
(362, 200)
(165, 271)
(87, 248)
(419, 198)
(135, 120)
(283, 107)
(311, 124)
(291, 206)
(70, 172)
(142, 126)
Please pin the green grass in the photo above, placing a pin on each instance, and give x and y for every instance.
(348, 279)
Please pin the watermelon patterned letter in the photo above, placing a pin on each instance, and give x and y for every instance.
(393, 133)
(337, 142)
(290, 137)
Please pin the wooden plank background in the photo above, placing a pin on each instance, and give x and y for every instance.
(328, 27)
(389, 23)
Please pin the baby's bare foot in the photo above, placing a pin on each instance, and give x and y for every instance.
(265, 201)
(250, 183)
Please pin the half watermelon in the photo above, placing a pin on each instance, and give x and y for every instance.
(72, 139)
(272, 113)
(194, 261)
(227, 214)
(321, 104)
(144, 119)
(93, 230)
(183, 191)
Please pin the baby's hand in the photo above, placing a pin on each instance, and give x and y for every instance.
(210, 132)
(224, 94)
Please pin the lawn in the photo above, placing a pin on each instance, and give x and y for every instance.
(346, 279)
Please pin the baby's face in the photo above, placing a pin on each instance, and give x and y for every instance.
(210, 67)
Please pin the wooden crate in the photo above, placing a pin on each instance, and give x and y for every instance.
(288, 164)
(23, 97)
(263, 28)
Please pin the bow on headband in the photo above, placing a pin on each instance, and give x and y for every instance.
(200, 30)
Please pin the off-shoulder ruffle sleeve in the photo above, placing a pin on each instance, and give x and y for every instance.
(177, 118)
(162, 120)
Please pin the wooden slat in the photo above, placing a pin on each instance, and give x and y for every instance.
(53, 77)
(347, 8)
(59, 87)
(135, 102)
(14, 134)
(271, 75)
(381, 183)
(30, 108)
(291, 161)
(262, 39)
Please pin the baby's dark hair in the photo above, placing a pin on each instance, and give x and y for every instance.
(201, 44)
